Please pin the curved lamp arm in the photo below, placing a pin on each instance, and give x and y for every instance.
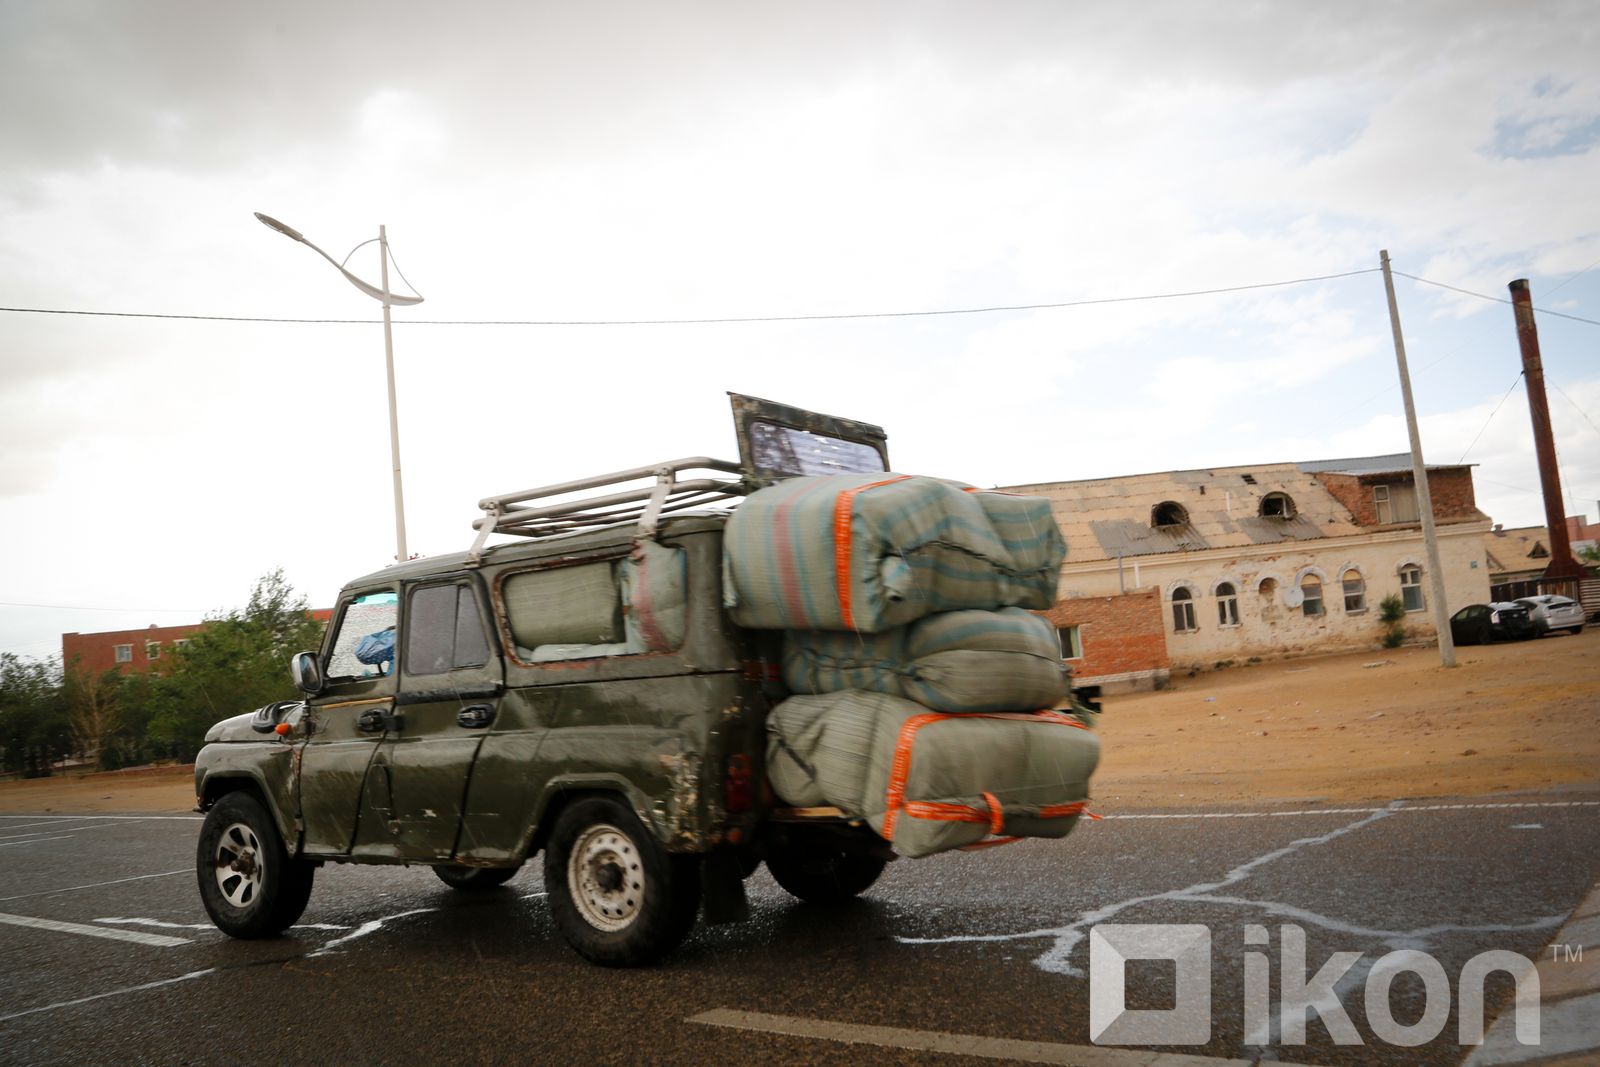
(371, 290)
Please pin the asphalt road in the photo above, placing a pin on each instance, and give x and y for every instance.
(391, 967)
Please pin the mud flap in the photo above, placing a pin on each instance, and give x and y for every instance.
(723, 888)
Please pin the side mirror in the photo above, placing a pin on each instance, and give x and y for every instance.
(305, 672)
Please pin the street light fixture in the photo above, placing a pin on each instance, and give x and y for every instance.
(387, 299)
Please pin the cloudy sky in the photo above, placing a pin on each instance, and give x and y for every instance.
(540, 161)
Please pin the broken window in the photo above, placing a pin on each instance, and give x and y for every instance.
(1071, 642)
(1227, 605)
(1355, 592)
(1411, 587)
(1168, 513)
(1183, 611)
(1277, 506)
(1311, 595)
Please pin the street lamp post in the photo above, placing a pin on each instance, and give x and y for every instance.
(387, 298)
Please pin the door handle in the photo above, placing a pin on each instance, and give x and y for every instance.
(377, 722)
(475, 717)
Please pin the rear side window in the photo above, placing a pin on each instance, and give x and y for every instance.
(444, 631)
(612, 607)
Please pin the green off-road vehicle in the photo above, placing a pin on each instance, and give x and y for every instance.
(578, 690)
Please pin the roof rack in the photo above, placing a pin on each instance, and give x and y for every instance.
(512, 513)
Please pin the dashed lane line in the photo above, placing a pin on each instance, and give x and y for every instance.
(109, 933)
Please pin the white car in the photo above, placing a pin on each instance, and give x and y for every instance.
(1551, 612)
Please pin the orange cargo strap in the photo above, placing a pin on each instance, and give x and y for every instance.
(843, 506)
(900, 770)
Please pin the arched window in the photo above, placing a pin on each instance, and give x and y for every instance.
(1227, 605)
(1267, 587)
(1355, 592)
(1183, 611)
(1168, 513)
(1277, 506)
(1311, 595)
(1411, 587)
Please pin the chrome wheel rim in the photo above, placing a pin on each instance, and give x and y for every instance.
(238, 865)
(605, 878)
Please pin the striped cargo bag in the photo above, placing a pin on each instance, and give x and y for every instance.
(955, 661)
(929, 782)
(866, 553)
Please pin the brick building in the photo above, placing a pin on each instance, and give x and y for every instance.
(1263, 560)
(134, 650)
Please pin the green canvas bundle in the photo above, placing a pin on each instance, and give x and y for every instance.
(866, 553)
(956, 661)
(928, 782)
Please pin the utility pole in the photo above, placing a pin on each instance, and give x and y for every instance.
(1419, 474)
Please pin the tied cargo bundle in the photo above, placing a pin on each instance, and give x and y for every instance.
(955, 661)
(866, 553)
(928, 782)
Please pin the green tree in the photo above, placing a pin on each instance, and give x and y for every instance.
(237, 663)
(35, 728)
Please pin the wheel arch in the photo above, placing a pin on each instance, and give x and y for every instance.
(218, 785)
(562, 793)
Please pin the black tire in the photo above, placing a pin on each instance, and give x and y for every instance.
(250, 885)
(819, 870)
(618, 897)
(476, 879)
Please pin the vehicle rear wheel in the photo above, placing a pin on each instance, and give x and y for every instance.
(476, 879)
(619, 898)
(819, 869)
(250, 885)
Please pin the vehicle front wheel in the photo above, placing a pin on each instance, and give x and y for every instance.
(819, 870)
(476, 879)
(250, 885)
(619, 898)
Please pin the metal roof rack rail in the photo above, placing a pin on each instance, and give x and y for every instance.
(515, 513)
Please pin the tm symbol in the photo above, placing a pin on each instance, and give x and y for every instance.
(1566, 953)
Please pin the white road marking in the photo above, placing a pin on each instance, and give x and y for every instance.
(207, 926)
(1407, 810)
(993, 1048)
(120, 818)
(372, 926)
(37, 840)
(55, 828)
(96, 885)
(109, 993)
(158, 940)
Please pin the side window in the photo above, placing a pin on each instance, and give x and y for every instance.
(443, 630)
(614, 607)
(364, 644)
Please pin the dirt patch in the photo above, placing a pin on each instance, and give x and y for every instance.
(1368, 726)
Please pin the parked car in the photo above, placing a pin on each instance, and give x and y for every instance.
(1479, 624)
(1550, 612)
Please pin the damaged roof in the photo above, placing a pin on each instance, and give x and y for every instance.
(1104, 518)
(1525, 548)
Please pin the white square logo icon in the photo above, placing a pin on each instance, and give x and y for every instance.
(1187, 1022)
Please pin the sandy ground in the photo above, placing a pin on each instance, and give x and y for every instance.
(1369, 726)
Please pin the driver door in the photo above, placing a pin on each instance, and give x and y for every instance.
(348, 719)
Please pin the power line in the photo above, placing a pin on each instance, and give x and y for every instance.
(710, 321)
(1492, 414)
(1574, 404)
(1496, 299)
